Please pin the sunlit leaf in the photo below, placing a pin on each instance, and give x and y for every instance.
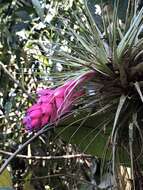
(5, 180)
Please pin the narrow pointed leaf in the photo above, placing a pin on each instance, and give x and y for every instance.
(120, 106)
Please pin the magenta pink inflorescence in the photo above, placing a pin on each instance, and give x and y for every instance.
(53, 103)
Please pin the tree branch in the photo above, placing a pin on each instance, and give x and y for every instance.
(44, 129)
(48, 157)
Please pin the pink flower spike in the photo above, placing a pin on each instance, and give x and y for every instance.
(52, 104)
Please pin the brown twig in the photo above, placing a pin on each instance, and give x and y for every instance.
(47, 157)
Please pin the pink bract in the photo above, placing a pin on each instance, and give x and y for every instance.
(53, 103)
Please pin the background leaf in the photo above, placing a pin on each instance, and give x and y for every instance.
(5, 180)
(39, 9)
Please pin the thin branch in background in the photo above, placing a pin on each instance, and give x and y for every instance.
(40, 132)
(48, 157)
(44, 129)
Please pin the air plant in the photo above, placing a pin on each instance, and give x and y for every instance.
(115, 54)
